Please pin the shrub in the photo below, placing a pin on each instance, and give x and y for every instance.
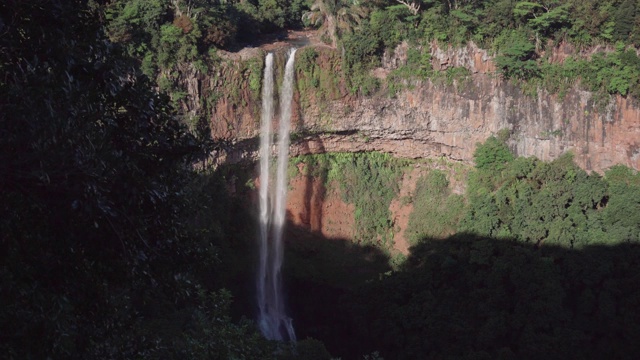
(492, 155)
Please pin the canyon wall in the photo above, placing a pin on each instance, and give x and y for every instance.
(426, 119)
(435, 119)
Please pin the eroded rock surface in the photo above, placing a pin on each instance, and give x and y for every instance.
(438, 120)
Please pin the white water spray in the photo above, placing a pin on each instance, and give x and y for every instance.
(272, 318)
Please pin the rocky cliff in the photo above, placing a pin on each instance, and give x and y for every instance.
(425, 119)
(438, 119)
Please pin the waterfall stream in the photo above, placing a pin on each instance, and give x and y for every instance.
(273, 320)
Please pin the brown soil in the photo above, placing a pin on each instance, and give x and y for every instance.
(322, 211)
(401, 209)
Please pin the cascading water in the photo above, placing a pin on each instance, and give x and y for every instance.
(265, 145)
(272, 318)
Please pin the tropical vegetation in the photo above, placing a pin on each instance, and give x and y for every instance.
(117, 241)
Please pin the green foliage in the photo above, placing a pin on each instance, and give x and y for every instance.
(543, 19)
(335, 18)
(603, 74)
(316, 76)
(465, 20)
(389, 26)
(453, 76)
(621, 213)
(306, 60)
(147, 30)
(492, 155)
(360, 48)
(436, 211)
(370, 182)
(273, 12)
(253, 69)
(384, 30)
(622, 175)
(367, 180)
(418, 67)
(518, 31)
(559, 78)
(166, 34)
(516, 56)
(362, 51)
(554, 203)
(419, 61)
(362, 82)
(434, 24)
(624, 18)
(101, 256)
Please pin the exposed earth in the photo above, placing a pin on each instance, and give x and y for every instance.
(322, 211)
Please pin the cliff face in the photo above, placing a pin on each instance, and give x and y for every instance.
(424, 120)
(433, 119)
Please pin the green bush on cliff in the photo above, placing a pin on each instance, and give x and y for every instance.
(492, 155)
(316, 76)
(369, 181)
(550, 202)
(516, 57)
(436, 211)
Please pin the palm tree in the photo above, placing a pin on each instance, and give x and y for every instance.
(335, 17)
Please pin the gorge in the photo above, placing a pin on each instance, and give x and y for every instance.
(429, 119)
(423, 121)
(428, 179)
(435, 124)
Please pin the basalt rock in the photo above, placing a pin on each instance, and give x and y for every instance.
(435, 119)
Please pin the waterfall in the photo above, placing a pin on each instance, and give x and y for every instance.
(265, 145)
(272, 318)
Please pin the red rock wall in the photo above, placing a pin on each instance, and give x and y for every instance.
(431, 120)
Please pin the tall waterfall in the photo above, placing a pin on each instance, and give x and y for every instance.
(272, 319)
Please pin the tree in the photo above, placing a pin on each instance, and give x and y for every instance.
(96, 252)
(335, 17)
(624, 19)
(492, 155)
(516, 58)
(413, 6)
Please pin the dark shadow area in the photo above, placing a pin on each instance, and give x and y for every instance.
(481, 298)
(319, 272)
(465, 297)
(236, 151)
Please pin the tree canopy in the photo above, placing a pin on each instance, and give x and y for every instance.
(100, 256)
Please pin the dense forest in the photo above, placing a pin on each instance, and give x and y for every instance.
(167, 36)
(114, 244)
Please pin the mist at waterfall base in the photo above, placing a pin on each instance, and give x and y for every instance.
(273, 321)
